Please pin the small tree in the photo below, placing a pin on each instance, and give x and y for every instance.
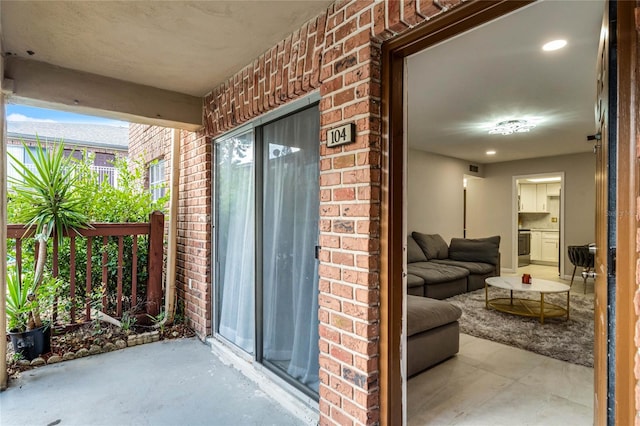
(47, 200)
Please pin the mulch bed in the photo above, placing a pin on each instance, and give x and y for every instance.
(86, 340)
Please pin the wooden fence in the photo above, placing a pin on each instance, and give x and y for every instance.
(155, 231)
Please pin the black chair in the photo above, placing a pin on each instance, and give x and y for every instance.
(582, 257)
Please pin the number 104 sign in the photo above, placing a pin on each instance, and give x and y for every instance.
(341, 135)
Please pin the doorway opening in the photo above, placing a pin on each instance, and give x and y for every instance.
(518, 113)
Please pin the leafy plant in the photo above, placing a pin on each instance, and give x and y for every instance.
(46, 199)
(20, 305)
(127, 321)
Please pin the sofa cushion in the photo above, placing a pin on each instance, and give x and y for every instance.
(425, 314)
(476, 268)
(414, 252)
(436, 273)
(432, 245)
(485, 250)
(414, 281)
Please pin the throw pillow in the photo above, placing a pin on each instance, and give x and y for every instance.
(414, 252)
(433, 245)
(486, 250)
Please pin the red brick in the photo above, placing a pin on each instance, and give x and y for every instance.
(359, 345)
(330, 241)
(339, 258)
(342, 290)
(340, 354)
(330, 179)
(344, 226)
(329, 210)
(344, 194)
(329, 272)
(329, 364)
(341, 322)
(344, 161)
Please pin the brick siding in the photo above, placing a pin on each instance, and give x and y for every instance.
(337, 53)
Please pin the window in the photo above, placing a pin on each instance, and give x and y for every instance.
(156, 179)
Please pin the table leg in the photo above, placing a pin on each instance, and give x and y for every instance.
(511, 296)
(486, 296)
(541, 308)
(568, 306)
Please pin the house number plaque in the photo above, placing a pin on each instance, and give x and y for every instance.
(341, 135)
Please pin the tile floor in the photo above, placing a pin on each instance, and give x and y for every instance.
(488, 383)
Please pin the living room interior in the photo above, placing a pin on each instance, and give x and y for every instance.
(497, 146)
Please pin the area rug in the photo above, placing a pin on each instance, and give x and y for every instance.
(570, 341)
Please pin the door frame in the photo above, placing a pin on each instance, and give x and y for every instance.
(465, 17)
(514, 217)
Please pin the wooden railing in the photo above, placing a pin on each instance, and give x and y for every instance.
(154, 229)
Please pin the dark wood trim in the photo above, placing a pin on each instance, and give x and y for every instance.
(394, 52)
(625, 410)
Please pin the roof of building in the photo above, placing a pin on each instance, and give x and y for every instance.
(82, 134)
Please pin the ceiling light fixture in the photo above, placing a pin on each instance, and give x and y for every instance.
(554, 45)
(509, 127)
(548, 179)
(491, 152)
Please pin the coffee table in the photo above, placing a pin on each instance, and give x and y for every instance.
(527, 307)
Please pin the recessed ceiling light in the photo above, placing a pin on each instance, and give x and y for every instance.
(554, 45)
(491, 152)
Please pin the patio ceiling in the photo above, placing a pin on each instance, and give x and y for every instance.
(168, 51)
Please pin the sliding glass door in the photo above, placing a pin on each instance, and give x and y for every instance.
(235, 211)
(290, 234)
(278, 225)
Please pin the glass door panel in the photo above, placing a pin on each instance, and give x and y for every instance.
(235, 249)
(290, 234)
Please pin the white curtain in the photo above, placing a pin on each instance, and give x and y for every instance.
(290, 234)
(236, 239)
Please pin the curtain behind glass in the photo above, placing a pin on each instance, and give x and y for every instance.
(290, 234)
(236, 239)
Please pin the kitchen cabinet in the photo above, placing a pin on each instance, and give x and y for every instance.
(533, 198)
(544, 246)
(528, 199)
(550, 242)
(541, 198)
(536, 245)
(553, 190)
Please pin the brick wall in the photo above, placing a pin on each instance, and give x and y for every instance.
(148, 143)
(339, 53)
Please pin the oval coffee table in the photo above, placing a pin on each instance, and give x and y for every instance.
(527, 307)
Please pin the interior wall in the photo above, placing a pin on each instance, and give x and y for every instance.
(435, 194)
(489, 200)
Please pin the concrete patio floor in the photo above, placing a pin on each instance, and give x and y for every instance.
(175, 382)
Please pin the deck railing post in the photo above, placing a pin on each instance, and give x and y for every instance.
(154, 284)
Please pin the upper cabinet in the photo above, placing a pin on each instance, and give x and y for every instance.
(533, 198)
(553, 190)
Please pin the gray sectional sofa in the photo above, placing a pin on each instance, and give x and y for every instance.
(437, 270)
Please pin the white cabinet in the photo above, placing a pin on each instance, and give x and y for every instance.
(544, 246)
(541, 198)
(528, 198)
(536, 245)
(533, 198)
(553, 190)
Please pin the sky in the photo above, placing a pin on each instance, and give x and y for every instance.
(28, 113)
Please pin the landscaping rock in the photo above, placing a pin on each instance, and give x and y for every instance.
(95, 349)
(68, 356)
(121, 344)
(155, 336)
(54, 359)
(82, 352)
(175, 334)
(37, 361)
(132, 340)
(108, 347)
(24, 362)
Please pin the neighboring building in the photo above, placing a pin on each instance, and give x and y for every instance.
(103, 141)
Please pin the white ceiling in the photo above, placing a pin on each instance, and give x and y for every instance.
(183, 46)
(498, 72)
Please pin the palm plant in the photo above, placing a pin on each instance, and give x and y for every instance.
(47, 201)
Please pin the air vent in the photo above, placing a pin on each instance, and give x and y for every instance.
(473, 168)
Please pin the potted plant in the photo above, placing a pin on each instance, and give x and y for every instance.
(47, 201)
(20, 308)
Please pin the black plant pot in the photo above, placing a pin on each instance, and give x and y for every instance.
(33, 343)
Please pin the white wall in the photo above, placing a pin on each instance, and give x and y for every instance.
(489, 200)
(435, 194)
